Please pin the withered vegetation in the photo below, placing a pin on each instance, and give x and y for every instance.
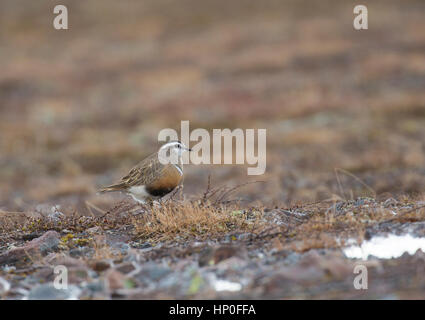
(212, 216)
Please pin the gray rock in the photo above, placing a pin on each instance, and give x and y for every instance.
(49, 292)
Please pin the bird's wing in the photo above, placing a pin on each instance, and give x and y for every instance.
(144, 172)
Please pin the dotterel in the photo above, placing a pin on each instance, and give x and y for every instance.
(152, 178)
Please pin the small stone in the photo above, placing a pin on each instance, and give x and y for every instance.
(152, 273)
(212, 256)
(96, 286)
(125, 268)
(114, 279)
(55, 216)
(368, 234)
(100, 265)
(93, 230)
(245, 236)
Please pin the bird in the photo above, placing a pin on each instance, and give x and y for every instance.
(155, 176)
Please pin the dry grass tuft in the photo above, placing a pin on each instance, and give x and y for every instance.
(195, 219)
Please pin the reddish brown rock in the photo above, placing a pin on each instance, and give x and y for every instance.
(212, 256)
(43, 245)
(100, 265)
(114, 279)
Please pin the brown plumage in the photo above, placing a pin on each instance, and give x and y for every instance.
(150, 179)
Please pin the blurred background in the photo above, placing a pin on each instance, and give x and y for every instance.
(79, 107)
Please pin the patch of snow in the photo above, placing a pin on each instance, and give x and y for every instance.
(389, 247)
(225, 285)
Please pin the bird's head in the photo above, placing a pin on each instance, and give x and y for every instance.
(173, 149)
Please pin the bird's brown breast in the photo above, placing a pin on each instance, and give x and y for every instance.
(166, 182)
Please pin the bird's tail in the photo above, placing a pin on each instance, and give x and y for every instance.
(114, 187)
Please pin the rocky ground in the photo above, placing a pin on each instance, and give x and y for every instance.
(234, 253)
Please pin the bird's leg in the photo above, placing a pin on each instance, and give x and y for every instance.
(156, 203)
(139, 203)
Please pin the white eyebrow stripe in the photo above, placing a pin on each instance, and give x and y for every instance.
(171, 144)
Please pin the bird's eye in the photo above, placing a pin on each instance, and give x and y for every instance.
(178, 146)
